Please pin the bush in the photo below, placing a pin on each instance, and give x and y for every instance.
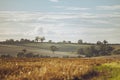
(116, 51)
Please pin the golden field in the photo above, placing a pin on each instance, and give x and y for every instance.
(51, 68)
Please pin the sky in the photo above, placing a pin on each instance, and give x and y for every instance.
(58, 20)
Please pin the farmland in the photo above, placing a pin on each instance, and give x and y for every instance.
(94, 68)
(58, 68)
(44, 49)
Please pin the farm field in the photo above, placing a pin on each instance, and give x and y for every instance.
(60, 68)
(44, 49)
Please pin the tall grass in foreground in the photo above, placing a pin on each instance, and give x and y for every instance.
(49, 68)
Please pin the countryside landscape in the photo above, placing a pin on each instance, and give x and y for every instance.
(38, 60)
(59, 40)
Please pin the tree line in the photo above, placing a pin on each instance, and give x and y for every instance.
(40, 40)
(99, 49)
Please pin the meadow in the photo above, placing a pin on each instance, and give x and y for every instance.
(59, 68)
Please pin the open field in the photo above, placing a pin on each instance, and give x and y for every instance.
(36, 49)
(44, 49)
(59, 69)
(95, 68)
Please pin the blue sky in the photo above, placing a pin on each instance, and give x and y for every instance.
(58, 20)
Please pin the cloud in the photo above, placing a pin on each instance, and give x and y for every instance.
(112, 18)
(71, 8)
(55, 18)
(77, 8)
(60, 26)
(54, 0)
(112, 7)
(37, 30)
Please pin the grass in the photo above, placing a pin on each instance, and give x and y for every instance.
(109, 71)
(54, 68)
(41, 49)
(62, 47)
(44, 48)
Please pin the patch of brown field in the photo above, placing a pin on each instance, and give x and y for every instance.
(48, 68)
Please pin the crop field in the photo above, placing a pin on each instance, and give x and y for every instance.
(59, 68)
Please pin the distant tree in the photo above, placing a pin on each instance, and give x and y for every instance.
(24, 50)
(93, 50)
(6, 56)
(116, 51)
(27, 40)
(22, 40)
(64, 41)
(99, 42)
(80, 41)
(53, 48)
(105, 42)
(69, 42)
(17, 41)
(42, 39)
(29, 55)
(37, 55)
(37, 38)
(33, 41)
(80, 51)
(20, 54)
(9, 41)
(88, 52)
(50, 41)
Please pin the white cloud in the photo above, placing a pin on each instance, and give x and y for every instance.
(38, 17)
(112, 7)
(54, 0)
(70, 26)
(76, 8)
(71, 8)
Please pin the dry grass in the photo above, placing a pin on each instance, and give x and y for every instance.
(47, 69)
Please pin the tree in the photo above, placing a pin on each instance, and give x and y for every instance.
(29, 55)
(6, 56)
(42, 39)
(53, 48)
(104, 48)
(24, 50)
(99, 43)
(80, 41)
(81, 51)
(20, 54)
(22, 40)
(50, 41)
(105, 42)
(69, 42)
(64, 41)
(9, 41)
(37, 38)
